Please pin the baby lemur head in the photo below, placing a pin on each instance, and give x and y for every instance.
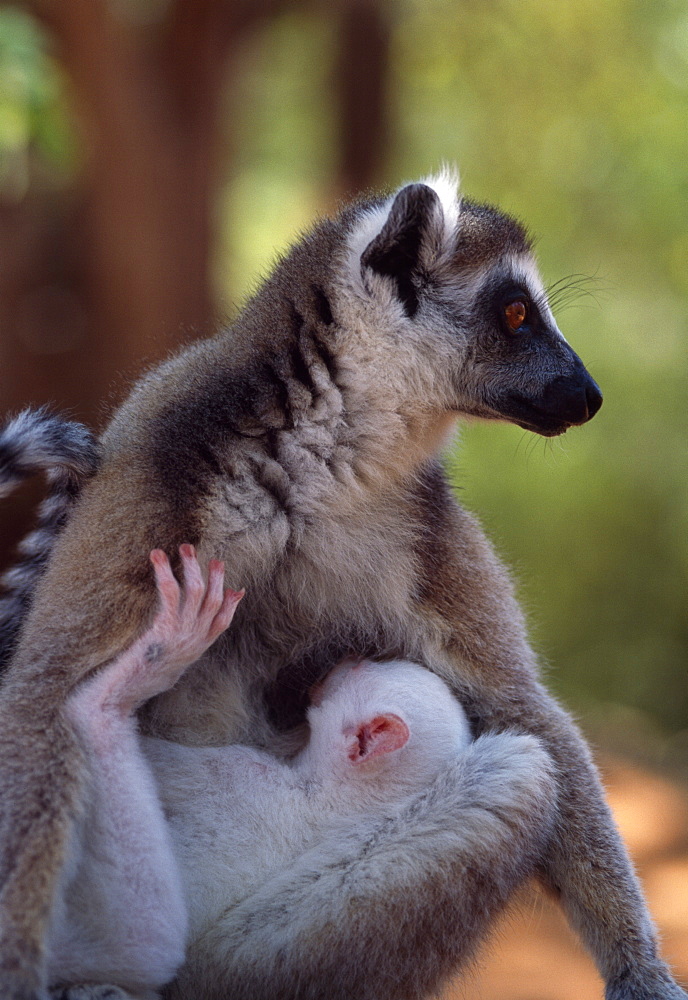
(452, 290)
(372, 723)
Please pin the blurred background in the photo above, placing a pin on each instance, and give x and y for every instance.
(156, 155)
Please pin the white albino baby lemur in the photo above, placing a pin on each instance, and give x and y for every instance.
(225, 835)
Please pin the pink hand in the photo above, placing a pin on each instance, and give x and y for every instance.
(188, 621)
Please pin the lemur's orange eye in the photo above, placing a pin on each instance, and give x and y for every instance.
(515, 314)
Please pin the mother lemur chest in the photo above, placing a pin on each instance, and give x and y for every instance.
(324, 579)
(302, 524)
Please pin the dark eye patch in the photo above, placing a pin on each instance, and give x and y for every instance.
(514, 309)
(500, 292)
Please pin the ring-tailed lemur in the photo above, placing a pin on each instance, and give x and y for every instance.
(300, 446)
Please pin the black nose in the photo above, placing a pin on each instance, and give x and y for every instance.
(572, 398)
(593, 397)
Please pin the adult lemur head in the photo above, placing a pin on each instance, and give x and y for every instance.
(369, 336)
(456, 283)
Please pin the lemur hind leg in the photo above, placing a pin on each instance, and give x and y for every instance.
(493, 672)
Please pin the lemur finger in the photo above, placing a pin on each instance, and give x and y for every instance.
(214, 592)
(168, 588)
(226, 613)
(194, 584)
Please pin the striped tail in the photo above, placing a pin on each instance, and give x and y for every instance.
(67, 453)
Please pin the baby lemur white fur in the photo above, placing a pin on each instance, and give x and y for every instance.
(300, 446)
(389, 747)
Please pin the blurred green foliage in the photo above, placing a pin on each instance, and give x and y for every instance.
(572, 116)
(36, 134)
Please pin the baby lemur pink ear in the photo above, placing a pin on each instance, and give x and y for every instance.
(380, 735)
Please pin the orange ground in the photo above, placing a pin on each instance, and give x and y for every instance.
(534, 956)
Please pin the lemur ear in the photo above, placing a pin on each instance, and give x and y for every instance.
(395, 251)
(380, 735)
